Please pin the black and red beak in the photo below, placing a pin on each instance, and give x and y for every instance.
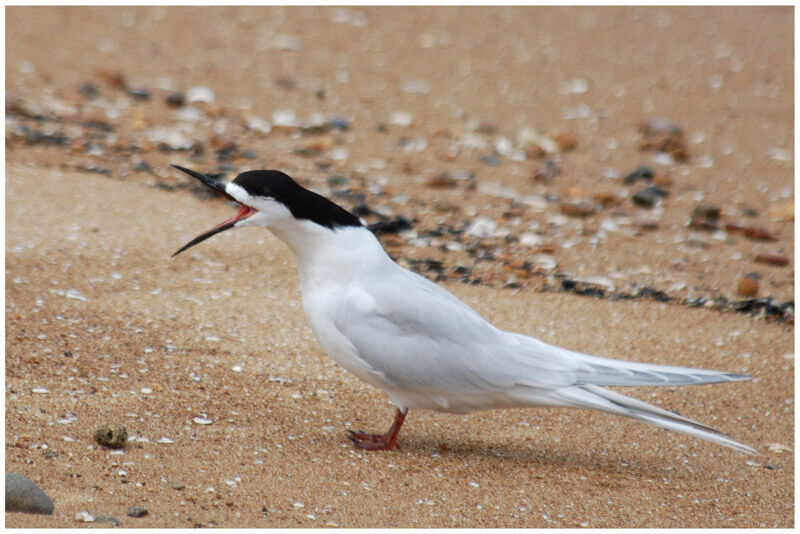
(243, 213)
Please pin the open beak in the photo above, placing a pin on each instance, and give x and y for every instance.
(243, 213)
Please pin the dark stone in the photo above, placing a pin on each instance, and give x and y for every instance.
(22, 495)
(139, 93)
(89, 91)
(176, 99)
(339, 123)
(642, 173)
(137, 511)
(649, 196)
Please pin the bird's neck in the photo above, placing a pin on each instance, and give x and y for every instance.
(325, 256)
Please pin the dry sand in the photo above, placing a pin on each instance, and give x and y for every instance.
(113, 330)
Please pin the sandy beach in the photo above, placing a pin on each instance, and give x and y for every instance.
(491, 149)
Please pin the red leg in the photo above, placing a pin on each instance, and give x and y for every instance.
(380, 442)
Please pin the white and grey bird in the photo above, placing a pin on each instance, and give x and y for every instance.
(426, 349)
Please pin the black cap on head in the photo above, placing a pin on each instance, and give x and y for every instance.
(302, 203)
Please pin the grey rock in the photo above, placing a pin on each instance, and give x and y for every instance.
(649, 196)
(137, 511)
(22, 495)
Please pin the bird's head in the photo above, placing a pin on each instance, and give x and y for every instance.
(268, 198)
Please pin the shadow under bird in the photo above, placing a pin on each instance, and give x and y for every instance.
(411, 338)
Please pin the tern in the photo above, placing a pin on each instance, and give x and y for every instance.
(400, 332)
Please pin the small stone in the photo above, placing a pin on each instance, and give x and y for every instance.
(259, 124)
(113, 78)
(176, 99)
(533, 151)
(706, 211)
(201, 94)
(22, 495)
(545, 261)
(649, 196)
(492, 161)
(748, 287)
(111, 435)
(84, 517)
(137, 511)
(566, 142)
(73, 293)
(641, 173)
(89, 91)
(139, 93)
(606, 198)
(339, 123)
(578, 208)
(758, 233)
(400, 118)
(202, 421)
(545, 174)
(443, 179)
(779, 447)
(772, 259)
(219, 142)
(482, 227)
(662, 180)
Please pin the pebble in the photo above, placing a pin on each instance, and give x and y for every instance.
(545, 174)
(202, 421)
(566, 142)
(176, 99)
(664, 136)
(545, 261)
(705, 217)
(22, 495)
(640, 173)
(84, 517)
(779, 447)
(137, 511)
(443, 179)
(607, 198)
(772, 259)
(758, 233)
(139, 93)
(89, 91)
(578, 208)
(201, 94)
(748, 287)
(111, 435)
(482, 227)
(649, 196)
(528, 136)
(259, 124)
(285, 118)
(402, 119)
(113, 78)
(530, 240)
(706, 211)
(339, 123)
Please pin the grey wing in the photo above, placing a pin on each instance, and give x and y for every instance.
(420, 337)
